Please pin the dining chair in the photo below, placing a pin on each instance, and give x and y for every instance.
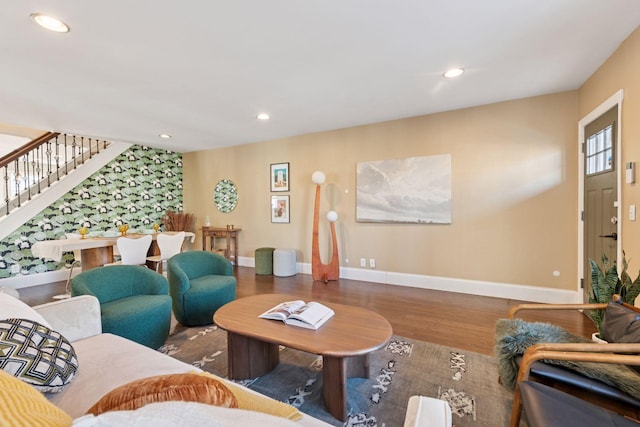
(133, 251)
(169, 245)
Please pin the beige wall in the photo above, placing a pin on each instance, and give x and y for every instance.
(622, 71)
(514, 181)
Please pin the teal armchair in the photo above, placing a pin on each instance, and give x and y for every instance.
(134, 301)
(200, 282)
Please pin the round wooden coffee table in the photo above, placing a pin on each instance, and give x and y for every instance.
(344, 343)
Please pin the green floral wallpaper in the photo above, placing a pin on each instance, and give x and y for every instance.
(135, 188)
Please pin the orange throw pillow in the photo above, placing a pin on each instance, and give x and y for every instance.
(184, 387)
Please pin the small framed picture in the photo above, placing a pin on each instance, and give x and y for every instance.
(280, 209)
(280, 177)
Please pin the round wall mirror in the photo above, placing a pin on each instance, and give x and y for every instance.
(225, 195)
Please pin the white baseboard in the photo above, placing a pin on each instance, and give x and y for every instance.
(246, 262)
(463, 286)
(489, 289)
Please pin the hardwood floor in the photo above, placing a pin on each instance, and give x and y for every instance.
(457, 320)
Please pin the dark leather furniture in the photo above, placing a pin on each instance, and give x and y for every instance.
(545, 406)
(580, 385)
(532, 367)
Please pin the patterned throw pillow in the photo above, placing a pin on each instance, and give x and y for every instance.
(36, 354)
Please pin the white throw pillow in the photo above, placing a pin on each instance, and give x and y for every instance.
(176, 413)
(13, 308)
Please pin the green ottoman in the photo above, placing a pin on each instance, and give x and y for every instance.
(264, 260)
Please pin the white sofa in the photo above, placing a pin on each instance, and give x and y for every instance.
(108, 361)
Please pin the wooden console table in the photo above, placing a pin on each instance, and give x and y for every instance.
(230, 250)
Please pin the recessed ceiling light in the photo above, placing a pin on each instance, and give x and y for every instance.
(164, 136)
(454, 72)
(50, 23)
(263, 116)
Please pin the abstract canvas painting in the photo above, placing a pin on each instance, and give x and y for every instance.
(413, 190)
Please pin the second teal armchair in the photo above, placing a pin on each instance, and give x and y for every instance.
(200, 282)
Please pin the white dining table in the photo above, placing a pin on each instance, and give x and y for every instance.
(94, 251)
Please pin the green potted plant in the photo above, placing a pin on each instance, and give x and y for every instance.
(605, 283)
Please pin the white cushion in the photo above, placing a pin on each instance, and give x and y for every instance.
(175, 413)
(13, 308)
(75, 318)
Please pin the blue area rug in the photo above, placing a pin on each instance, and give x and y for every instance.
(467, 381)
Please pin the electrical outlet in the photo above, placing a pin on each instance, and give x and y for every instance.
(15, 268)
(372, 263)
(363, 262)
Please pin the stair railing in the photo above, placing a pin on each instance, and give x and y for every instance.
(30, 169)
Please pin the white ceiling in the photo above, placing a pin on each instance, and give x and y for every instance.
(201, 70)
(8, 143)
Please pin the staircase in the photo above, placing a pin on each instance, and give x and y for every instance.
(37, 171)
(37, 165)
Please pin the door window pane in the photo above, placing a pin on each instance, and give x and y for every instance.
(599, 151)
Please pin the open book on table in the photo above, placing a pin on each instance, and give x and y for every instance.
(309, 315)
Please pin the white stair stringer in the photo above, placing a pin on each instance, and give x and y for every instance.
(49, 195)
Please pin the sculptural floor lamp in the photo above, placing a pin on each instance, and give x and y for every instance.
(320, 271)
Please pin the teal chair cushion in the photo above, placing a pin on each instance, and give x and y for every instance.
(134, 301)
(200, 282)
(149, 326)
(206, 295)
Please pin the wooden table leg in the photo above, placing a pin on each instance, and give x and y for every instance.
(96, 257)
(334, 386)
(235, 249)
(335, 372)
(154, 250)
(250, 358)
(358, 366)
